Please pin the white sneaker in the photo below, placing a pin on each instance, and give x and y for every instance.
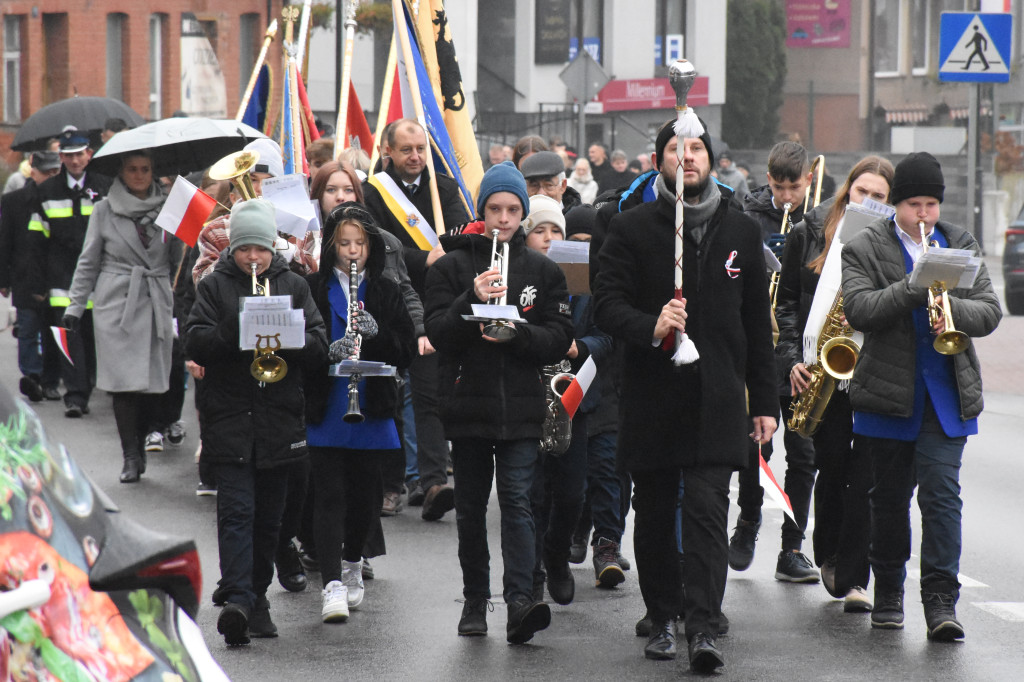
(155, 442)
(335, 608)
(352, 578)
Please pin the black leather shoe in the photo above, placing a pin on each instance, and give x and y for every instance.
(473, 622)
(643, 626)
(524, 619)
(310, 562)
(131, 470)
(233, 623)
(705, 657)
(289, 568)
(561, 585)
(31, 389)
(73, 412)
(219, 596)
(662, 644)
(260, 624)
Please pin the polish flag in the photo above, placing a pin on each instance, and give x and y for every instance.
(186, 209)
(573, 395)
(60, 335)
(772, 487)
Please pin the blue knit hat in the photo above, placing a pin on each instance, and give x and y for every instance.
(503, 177)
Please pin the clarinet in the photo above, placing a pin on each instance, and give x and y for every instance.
(353, 416)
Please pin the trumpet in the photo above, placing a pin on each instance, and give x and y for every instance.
(950, 341)
(236, 168)
(500, 330)
(773, 286)
(266, 367)
(353, 415)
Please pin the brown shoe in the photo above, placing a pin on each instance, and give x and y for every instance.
(392, 504)
(440, 499)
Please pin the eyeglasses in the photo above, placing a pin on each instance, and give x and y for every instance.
(549, 184)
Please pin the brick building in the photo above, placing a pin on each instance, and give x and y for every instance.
(125, 49)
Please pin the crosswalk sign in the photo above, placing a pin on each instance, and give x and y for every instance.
(975, 47)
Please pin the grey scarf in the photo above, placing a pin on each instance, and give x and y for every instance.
(695, 216)
(140, 211)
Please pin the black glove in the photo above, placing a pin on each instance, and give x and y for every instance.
(364, 323)
(777, 243)
(342, 349)
(70, 322)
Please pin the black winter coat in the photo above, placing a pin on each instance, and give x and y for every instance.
(452, 210)
(394, 344)
(22, 268)
(878, 300)
(695, 414)
(758, 205)
(797, 284)
(240, 420)
(495, 390)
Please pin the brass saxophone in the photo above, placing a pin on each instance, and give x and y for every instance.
(556, 431)
(837, 356)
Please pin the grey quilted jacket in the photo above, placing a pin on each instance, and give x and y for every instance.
(878, 299)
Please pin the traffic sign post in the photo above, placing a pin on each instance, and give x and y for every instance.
(584, 77)
(974, 47)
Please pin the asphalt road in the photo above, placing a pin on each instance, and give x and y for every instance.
(406, 626)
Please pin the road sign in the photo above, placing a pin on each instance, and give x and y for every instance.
(975, 47)
(584, 77)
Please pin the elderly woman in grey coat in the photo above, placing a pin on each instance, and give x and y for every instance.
(124, 271)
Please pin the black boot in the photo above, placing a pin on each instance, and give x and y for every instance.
(126, 415)
(940, 612)
(561, 585)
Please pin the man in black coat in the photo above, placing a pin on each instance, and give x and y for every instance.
(493, 395)
(407, 174)
(22, 267)
(689, 420)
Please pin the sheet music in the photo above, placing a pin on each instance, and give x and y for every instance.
(955, 268)
(564, 251)
(265, 303)
(292, 208)
(497, 312)
(771, 261)
(287, 327)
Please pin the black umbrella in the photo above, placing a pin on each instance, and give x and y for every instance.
(88, 114)
(178, 145)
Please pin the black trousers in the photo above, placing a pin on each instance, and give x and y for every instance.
(798, 484)
(705, 512)
(842, 513)
(347, 501)
(431, 446)
(80, 377)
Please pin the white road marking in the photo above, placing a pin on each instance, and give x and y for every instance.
(1007, 610)
(965, 581)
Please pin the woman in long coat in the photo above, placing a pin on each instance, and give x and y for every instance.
(124, 272)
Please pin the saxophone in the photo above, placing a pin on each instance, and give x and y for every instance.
(557, 429)
(837, 355)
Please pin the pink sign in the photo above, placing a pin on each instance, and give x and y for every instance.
(649, 93)
(825, 23)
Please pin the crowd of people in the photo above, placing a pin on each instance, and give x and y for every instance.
(304, 467)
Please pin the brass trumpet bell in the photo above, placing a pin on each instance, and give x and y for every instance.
(951, 342)
(236, 168)
(268, 368)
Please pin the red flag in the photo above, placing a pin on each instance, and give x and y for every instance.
(185, 211)
(356, 126)
(60, 335)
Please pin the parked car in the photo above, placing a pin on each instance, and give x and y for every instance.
(85, 593)
(1013, 265)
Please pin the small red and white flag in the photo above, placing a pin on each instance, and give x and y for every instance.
(772, 487)
(573, 395)
(186, 209)
(60, 335)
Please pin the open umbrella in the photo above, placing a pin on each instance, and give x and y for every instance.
(88, 114)
(178, 145)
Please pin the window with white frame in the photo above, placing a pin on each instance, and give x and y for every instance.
(887, 38)
(12, 68)
(156, 64)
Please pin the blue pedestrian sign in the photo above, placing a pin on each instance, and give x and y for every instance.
(975, 47)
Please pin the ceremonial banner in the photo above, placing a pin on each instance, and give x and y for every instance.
(256, 110)
(357, 130)
(202, 83)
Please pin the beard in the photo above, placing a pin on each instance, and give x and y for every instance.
(696, 189)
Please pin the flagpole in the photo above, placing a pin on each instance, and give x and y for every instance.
(385, 103)
(300, 48)
(291, 94)
(340, 132)
(267, 39)
(410, 69)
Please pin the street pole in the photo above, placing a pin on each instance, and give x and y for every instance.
(581, 121)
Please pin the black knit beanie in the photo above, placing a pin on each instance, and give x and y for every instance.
(667, 132)
(917, 175)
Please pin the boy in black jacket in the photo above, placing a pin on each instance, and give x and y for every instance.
(492, 393)
(249, 428)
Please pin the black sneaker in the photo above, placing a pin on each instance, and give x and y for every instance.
(176, 433)
(607, 571)
(623, 561)
(233, 623)
(473, 622)
(31, 389)
(561, 585)
(795, 567)
(888, 611)
(940, 616)
(416, 494)
(578, 550)
(524, 619)
(741, 544)
(260, 624)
